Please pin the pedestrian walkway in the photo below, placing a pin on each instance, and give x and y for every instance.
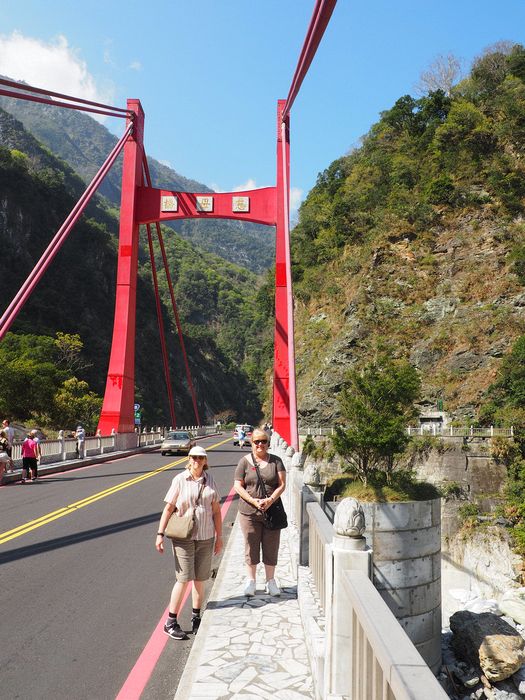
(249, 648)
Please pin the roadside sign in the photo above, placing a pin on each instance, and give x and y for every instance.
(136, 406)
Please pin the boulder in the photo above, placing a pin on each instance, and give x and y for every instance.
(512, 604)
(487, 640)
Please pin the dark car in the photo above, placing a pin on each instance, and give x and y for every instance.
(177, 441)
(248, 430)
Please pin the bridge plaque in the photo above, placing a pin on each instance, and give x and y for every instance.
(204, 203)
(169, 203)
(241, 204)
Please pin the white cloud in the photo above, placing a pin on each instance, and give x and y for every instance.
(135, 65)
(296, 197)
(248, 185)
(54, 65)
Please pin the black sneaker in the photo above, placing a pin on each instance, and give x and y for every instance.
(195, 623)
(175, 632)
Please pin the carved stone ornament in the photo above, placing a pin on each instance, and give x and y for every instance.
(312, 473)
(349, 518)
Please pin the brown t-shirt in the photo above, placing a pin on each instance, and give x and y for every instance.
(246, 472)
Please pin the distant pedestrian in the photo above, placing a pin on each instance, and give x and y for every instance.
(80, 435)
(242, 437)
(30, 456)
(10, 437)
(4, 457)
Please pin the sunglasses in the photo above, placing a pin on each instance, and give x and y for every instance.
(198, 457)
(260, 442)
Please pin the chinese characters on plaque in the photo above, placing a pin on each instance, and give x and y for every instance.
(241, 204)
(169, 203)
(204, 203)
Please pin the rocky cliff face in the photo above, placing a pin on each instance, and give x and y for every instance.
(449, 301)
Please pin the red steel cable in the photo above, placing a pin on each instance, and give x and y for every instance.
(50, 93)
(55, 103)
(174, 303)
(47, 257)
(321, 16)
(161, 329)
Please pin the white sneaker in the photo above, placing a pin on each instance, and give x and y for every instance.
(272, 588)
(249, 587)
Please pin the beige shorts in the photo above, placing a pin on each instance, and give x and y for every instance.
(193, 559)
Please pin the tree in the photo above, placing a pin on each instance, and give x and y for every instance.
(69, 348)
(74, 403)
(442, 74)
(376, 404)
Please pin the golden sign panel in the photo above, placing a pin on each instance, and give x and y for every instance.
(169, 203)
(241, 204)
(204, 203)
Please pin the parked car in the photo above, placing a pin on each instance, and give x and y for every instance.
(248, 430)
(177, 441)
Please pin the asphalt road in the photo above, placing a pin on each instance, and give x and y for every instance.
(82, 587)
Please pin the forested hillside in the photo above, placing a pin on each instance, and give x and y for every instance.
(84, 144)
(222, 307)
(414, 244)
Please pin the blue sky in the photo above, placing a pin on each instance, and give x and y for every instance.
(209, 73)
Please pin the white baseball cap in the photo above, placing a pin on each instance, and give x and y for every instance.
(197, 452)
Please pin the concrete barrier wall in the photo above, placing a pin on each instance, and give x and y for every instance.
(406, 541)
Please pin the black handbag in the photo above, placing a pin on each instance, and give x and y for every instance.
(275, 517)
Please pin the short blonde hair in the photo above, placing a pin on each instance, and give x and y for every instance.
(259, 433)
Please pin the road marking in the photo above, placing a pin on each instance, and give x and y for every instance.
(73, 507)
(145, 664)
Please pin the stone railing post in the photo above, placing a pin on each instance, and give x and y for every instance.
(349, 552)
(63, 454)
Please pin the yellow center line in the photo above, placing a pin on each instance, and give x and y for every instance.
(68, 510)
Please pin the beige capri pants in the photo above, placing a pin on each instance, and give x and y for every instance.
(192, 559)
(257, 537)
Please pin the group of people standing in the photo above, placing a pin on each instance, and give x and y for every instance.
(30, 452)
(195, 489)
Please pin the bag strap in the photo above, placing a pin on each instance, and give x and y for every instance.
(262, 486)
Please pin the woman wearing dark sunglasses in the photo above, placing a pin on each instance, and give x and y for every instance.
(252, 506)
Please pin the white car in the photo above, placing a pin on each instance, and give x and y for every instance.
(177, 441)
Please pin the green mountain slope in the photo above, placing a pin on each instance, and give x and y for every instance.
(218, 301)
(409, 244)
(84, 144)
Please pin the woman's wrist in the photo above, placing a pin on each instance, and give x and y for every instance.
(160, 534)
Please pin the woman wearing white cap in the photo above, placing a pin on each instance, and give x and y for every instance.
(192, 488)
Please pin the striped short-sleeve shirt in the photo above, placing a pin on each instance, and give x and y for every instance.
(183, 494)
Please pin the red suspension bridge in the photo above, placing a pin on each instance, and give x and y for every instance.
(142, 204)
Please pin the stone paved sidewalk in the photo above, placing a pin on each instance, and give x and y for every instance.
(249, 648)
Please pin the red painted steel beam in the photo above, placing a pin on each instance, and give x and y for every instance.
(48, 255)
(174, 304)
(261, 203)
(117, 407)
(162, 334)
(284, 406)
(56, 103)
(321, 16)
(22, 88)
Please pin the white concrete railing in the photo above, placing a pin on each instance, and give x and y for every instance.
(427, 429)
(451, 431)
(365, 653)
(383, 663)
(63, 448)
